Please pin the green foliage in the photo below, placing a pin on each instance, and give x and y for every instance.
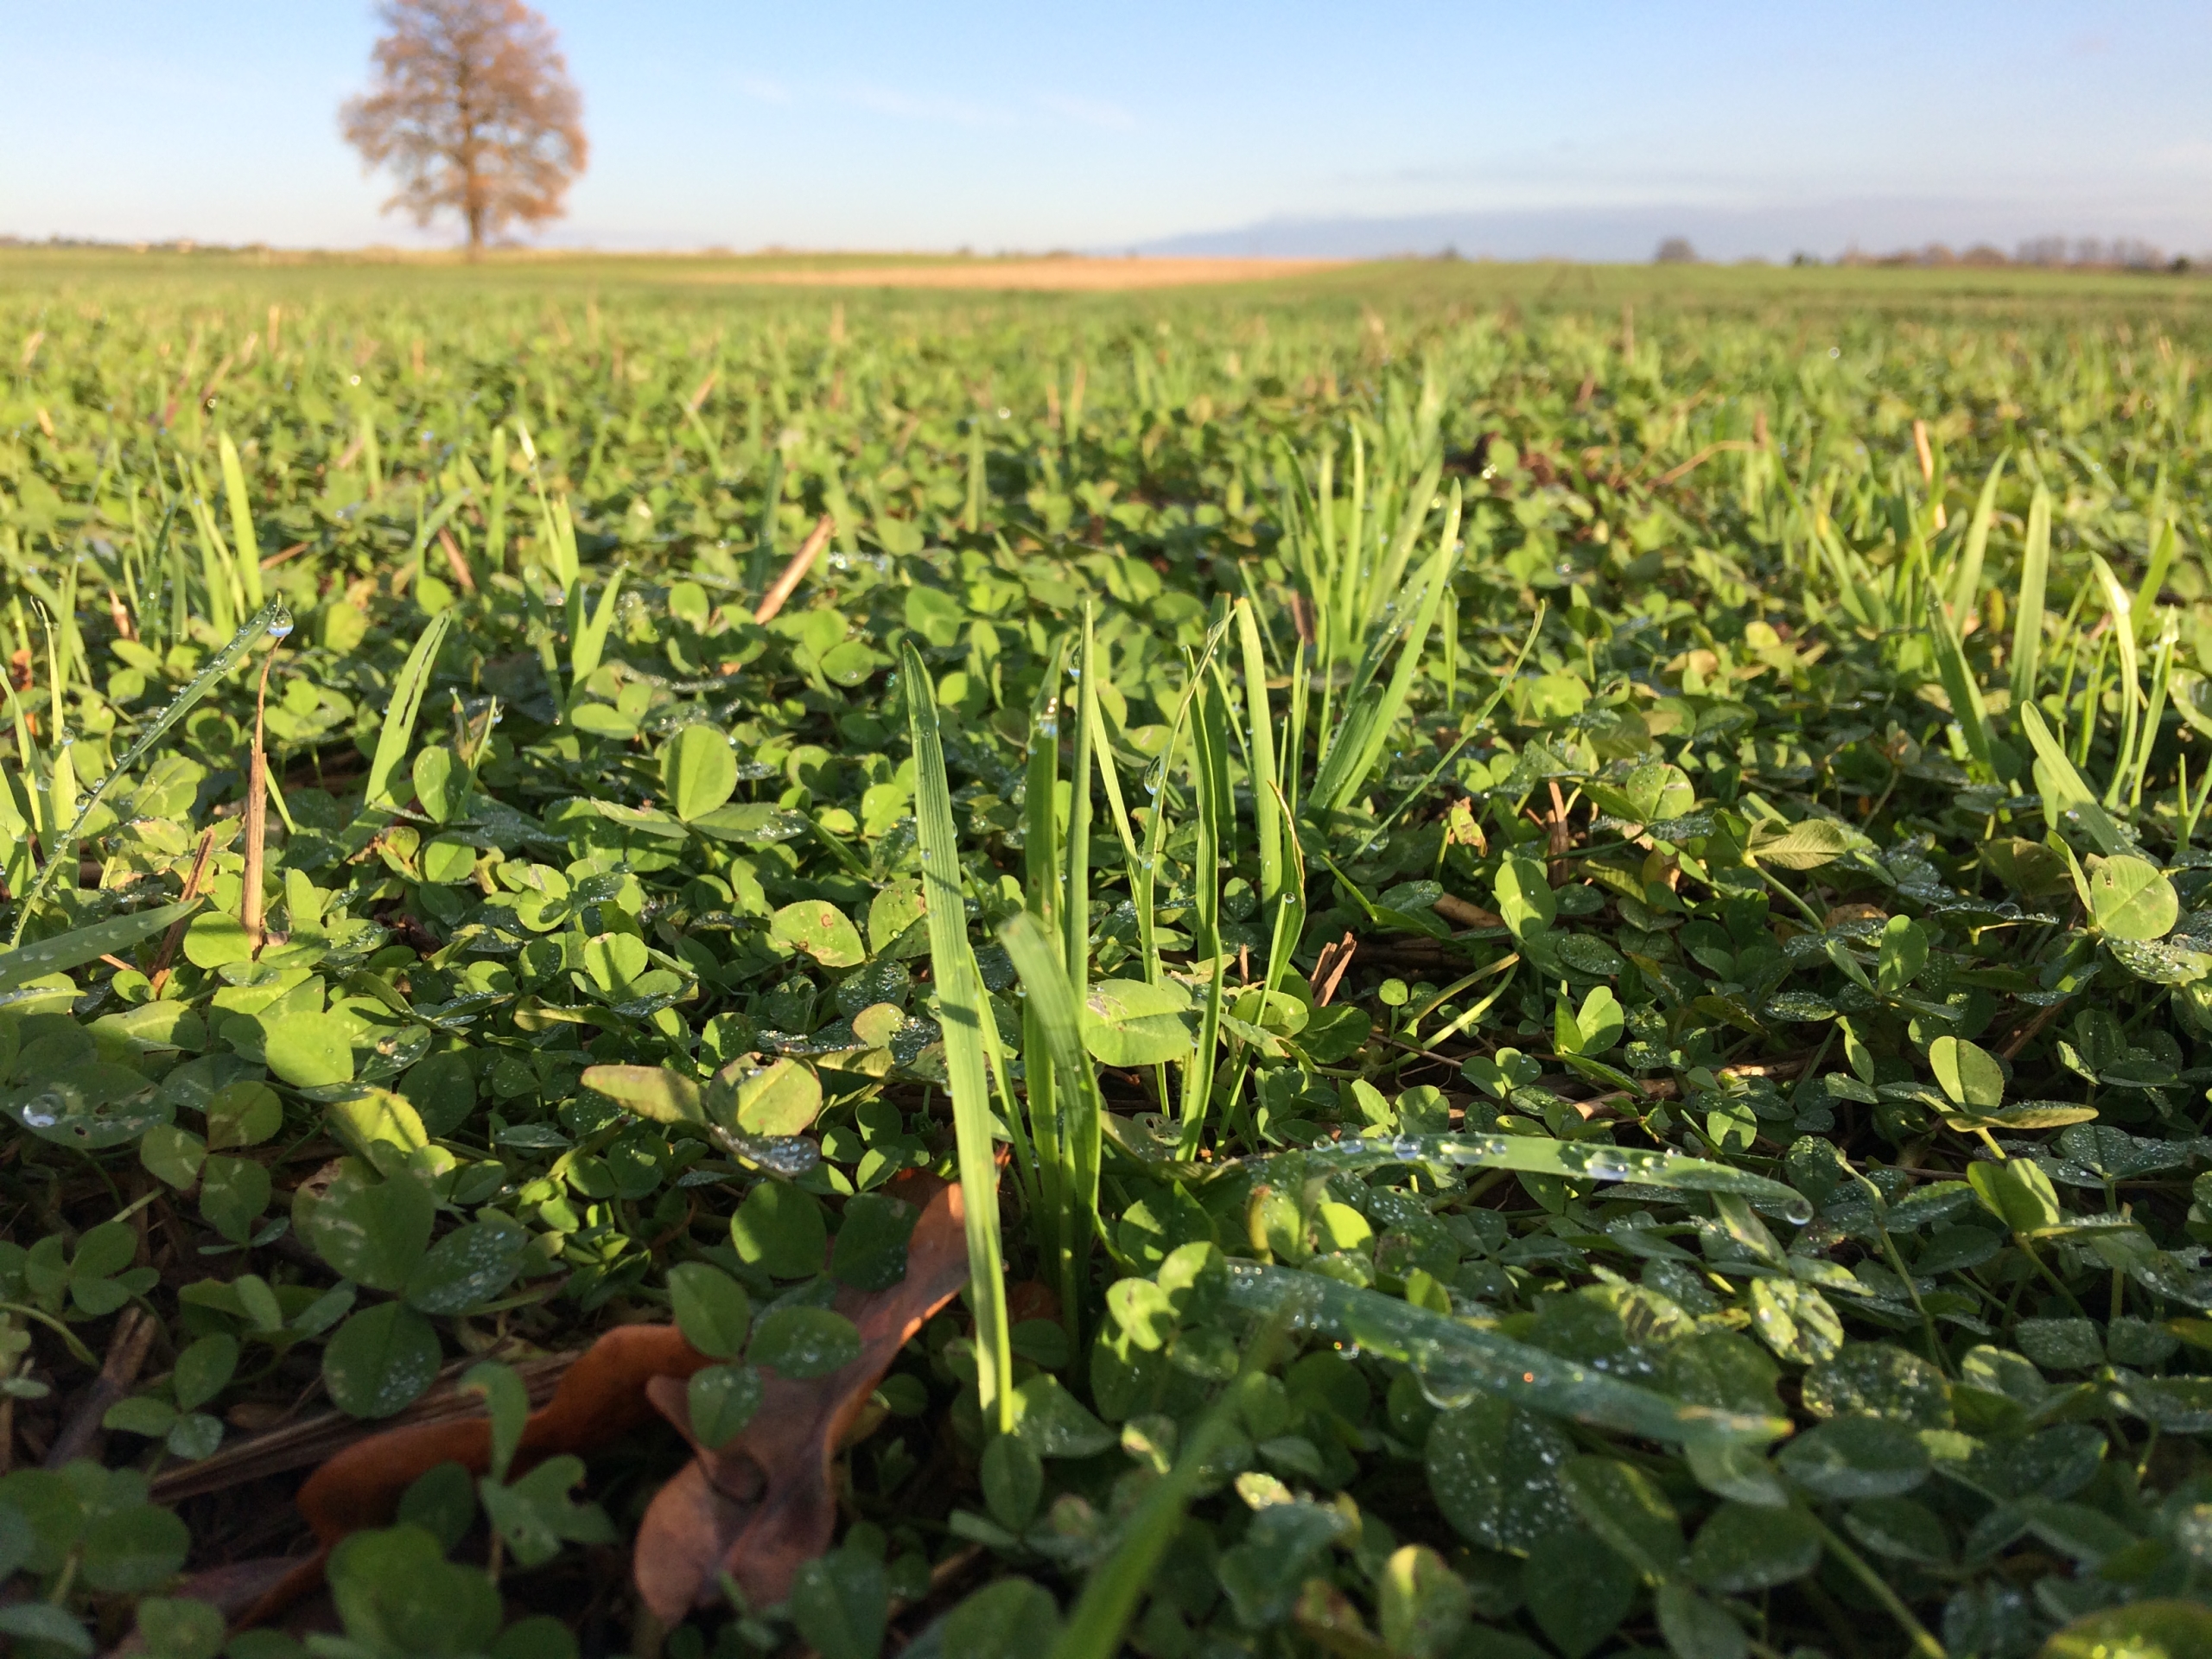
(1636, 1076)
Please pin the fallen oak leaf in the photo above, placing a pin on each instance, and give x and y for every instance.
(762, 1507)
(601, 1397)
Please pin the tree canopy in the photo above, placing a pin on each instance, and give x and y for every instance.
(473, 108)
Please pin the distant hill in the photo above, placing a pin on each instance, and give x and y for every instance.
(1827, 230)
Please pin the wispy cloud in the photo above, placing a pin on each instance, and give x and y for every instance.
(950, 111)
(765, 90)
(1087, 112)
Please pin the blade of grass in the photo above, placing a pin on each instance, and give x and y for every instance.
(2122, 610)
(2034, 573)
(963, 1012)
(1042, 872)
(1267, 824)
(407, 691)
(1209, 784)
(244, 544)
(1358, 745)
(1966, 582)
(1051, 996)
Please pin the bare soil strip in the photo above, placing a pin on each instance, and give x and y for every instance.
(1034, 275)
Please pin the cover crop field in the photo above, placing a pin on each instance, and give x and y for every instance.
(1447, 962)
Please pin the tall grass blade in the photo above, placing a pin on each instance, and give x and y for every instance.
(1041, 871)
(1100, 1617)
(963, 1012)
(398, 730)
(1209, 784)
(587, 641)
(1050, 995)
(2035, 574)
(2062, 788)
(1966, 583)
(1958, 686)
(2122, 610)
(1267, 819)
(242, 540)
(1358, 745)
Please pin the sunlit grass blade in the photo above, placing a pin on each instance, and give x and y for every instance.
(1267, 822)
(2035, 574)
(2122, 610)
(2064, 791)
(962, 1011)
(1966, 582)
(1358, 745)
(587, 634)
(2164, 542)
(398, 730)
(244, 543)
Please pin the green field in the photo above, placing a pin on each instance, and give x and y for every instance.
(1439, 960)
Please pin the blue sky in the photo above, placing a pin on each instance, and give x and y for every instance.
(1573, 126)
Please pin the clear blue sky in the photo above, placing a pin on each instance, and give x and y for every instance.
(1049, 124)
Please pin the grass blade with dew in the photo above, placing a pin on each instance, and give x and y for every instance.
(1457, 1364)
(271, 618)
(1042, 874)
(2035, 574)
(962, 1010)
(245, 544)
(1052, 998)
(20, 966)
(1573, 1160)
(406, 703)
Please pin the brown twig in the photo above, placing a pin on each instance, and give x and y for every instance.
(2011, 1047)
(313, 1439)
(1452, 908)
(1561, 840)
(282, 554)
(126, 1356)
(454, 561)
(1329, 970)
(194, 886)
(1700, 459)
(795, 572)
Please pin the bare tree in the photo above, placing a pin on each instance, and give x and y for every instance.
(474, 109)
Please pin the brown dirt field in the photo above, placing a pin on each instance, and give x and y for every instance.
(1035, 276)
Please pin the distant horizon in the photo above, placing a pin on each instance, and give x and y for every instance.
(2064, 253)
